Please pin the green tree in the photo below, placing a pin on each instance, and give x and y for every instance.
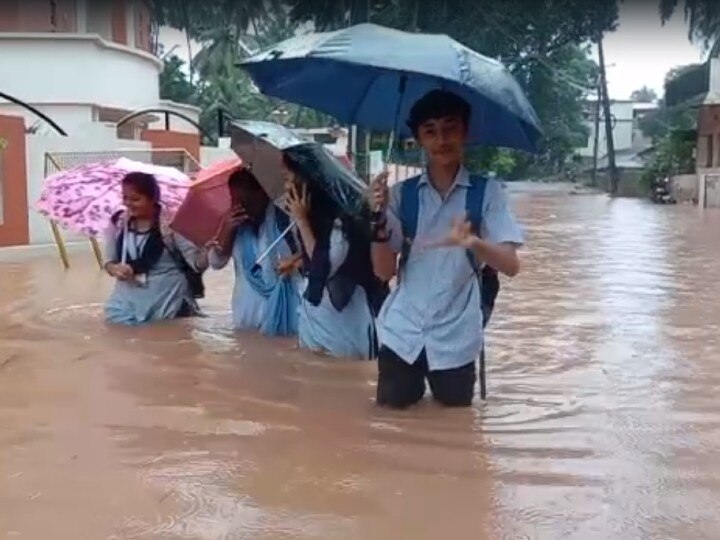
(703, 17)
(229, 33)
(334, 14)
(644, 95)
(673, 132)
(538, 41)
(174, 83)
(682, 116)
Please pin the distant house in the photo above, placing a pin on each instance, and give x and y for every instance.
(627, 135)
(699, 86)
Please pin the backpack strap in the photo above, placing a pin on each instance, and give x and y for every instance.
(409, 210)
(474, 200)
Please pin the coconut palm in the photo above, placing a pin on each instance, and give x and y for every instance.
(703, 17)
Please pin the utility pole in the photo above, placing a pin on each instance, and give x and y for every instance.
(596, 137)
(612, 168)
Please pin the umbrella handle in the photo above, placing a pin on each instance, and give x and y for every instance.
(377, 215)
(275, 242)
(402, 86)
(123, 256)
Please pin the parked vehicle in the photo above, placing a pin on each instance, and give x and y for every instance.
(660, 191)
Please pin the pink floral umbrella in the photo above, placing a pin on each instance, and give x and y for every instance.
(83, 199)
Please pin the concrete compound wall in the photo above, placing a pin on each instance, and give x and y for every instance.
(631, 183)
(13, 183)
(684, 188)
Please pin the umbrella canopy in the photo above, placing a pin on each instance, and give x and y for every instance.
(371, 76)
(261, 146)
(83, 199)
(200, 215)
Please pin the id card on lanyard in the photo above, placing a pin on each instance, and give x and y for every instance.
(140, 279)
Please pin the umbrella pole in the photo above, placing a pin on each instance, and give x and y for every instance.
(272, 246)
(60, 244)
(376, 216)
(123, 255)
(96, 250)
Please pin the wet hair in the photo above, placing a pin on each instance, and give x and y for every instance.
(324, 210)
(242, 176)
(438, 104)
(147, 186)
(291, 164)
(244, 179)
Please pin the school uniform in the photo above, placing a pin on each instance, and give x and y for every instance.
(347, 330)
(430, 327)
(164, 293)
(261, 299)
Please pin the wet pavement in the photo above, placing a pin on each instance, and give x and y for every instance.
(603, 420)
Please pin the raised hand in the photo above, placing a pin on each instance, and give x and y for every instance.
(288, 265)
(297, 204)
(378, 193)
(238, 216)
(461, 234)
(123, 272)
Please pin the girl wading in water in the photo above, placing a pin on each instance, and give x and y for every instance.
(157, 271)
(265, 295)
(340, 293)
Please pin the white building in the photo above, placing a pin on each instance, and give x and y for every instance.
(84, 63)
(627, 135)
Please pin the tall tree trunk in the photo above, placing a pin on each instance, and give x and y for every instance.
(188, 41)
(612, 168)
(596, 136)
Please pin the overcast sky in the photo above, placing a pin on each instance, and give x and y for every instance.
(643, 51)
(639, 53)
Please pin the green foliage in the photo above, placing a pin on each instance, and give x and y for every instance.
(502, 162)
(227, 32)
(539, 40)
(644, 95)
(703, 18)
(174, 83)
(673, 155)
(657, 124)
(674, 136)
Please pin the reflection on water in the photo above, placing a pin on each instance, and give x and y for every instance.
(602, 420)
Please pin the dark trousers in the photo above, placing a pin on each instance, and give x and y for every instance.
(401, 385)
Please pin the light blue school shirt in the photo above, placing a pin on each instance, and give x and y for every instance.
(249, 307)
(436, 305)
(322, 328)
(165, 292)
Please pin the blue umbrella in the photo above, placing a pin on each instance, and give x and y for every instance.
(370, 76)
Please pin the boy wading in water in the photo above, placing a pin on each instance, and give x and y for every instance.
(436, 233)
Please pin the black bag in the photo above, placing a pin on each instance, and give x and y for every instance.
(193, 277)
(195, 282)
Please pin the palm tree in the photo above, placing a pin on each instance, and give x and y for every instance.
(703, 17)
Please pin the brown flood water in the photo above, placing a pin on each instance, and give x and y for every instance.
(603, 420)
